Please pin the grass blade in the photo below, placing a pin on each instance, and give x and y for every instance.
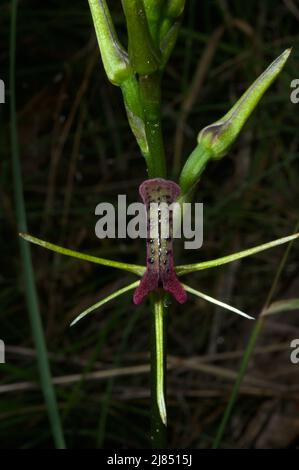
(241, 373)
(29, 281)
(249, 349)
(285, 305)
(106, 401)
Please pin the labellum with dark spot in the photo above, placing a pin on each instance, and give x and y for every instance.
(158, 195)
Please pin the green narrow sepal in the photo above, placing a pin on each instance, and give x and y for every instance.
(114, 57)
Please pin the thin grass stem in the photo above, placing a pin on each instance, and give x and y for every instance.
(250, 348)
(29, 281)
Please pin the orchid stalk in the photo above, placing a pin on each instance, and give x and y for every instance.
(152, 27)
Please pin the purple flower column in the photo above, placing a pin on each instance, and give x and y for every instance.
(158, 194)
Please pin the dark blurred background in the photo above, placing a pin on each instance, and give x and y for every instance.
(77, 150)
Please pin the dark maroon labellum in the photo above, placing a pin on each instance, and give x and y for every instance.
(158, 194)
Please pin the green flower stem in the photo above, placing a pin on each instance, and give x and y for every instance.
(146, 61)
(144, 108)
(194, 167)
(150, 95)
(29, 280)
(132, 268)
(143, 105)
(158, 372)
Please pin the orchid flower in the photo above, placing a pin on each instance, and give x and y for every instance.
(152, 27)
(141, 271)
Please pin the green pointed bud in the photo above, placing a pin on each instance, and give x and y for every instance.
(114, 57)
(169, 28)
(168, 42)
(172, 13)
(215, 140)
(220, 135)
(174, 8)
(153, 11)
(144, 56)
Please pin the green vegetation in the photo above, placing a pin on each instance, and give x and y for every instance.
(75, 150)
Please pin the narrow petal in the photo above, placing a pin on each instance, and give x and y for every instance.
(104, 301)
(190, 268)
(132, 268)
(217, 302)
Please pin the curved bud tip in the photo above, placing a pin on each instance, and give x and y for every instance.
(175, 8)
(215, 140)
(114, 57)
(219, 136)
